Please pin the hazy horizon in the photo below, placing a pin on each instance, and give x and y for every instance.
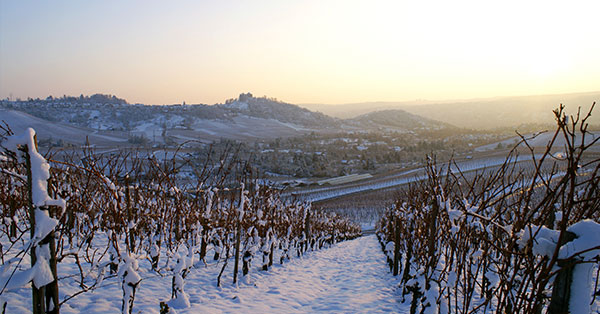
(312, 52)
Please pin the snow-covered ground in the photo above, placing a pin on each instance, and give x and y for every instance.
(350, 277)
(19, 122)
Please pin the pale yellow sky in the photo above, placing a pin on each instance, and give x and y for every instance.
(158, 52)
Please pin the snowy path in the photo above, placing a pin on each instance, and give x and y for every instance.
(351, 277)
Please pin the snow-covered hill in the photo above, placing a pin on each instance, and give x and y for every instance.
(19, 121)
(246, 117)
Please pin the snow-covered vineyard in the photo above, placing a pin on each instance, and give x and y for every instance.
(93, 223)
(119, 233)
(492, 244)
(410, 176)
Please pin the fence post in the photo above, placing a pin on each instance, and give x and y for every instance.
(396, 246)
(307, 229)
(130, 217)
(43, 297)
(236, 262)
(561, 291)
(432, 239)
(203, 243)
(37, 295)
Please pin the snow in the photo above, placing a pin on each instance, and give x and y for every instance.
(18, 279)
(40, 169)
(582, 289)
(586, 245)
(239, 105)
(20, 121)
(350, 277)
(130, 280)
(40, 273)
(290, 125)
(44, 224)
(585, 248)
(543, 239)
(588, 242)
(588, 239)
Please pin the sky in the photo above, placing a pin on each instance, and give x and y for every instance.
(312, 51)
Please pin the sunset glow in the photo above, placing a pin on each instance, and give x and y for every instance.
(156, 52)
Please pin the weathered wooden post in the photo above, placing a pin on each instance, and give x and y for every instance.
(45, 298)
(203, 243)
(561, 291)
(52, 288)
(307, 229)
(396, 246)
(432, 234)
(236, 262)
(238, 234)
(129, 213)
(37, 294)
(406, 270)
(271, 253)
(13, 223)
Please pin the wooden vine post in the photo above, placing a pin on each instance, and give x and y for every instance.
(307, 229)
(561, 291)
(236, 262)
(45, 298)
(396, 267)
(238, 236)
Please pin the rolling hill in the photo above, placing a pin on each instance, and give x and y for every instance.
(399, 120)
(244, 118)
(484, 113)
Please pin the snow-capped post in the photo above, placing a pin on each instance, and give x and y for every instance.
(266, 250)
(130, 280)
(179, 299)
(43, 248)
(561, 291)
